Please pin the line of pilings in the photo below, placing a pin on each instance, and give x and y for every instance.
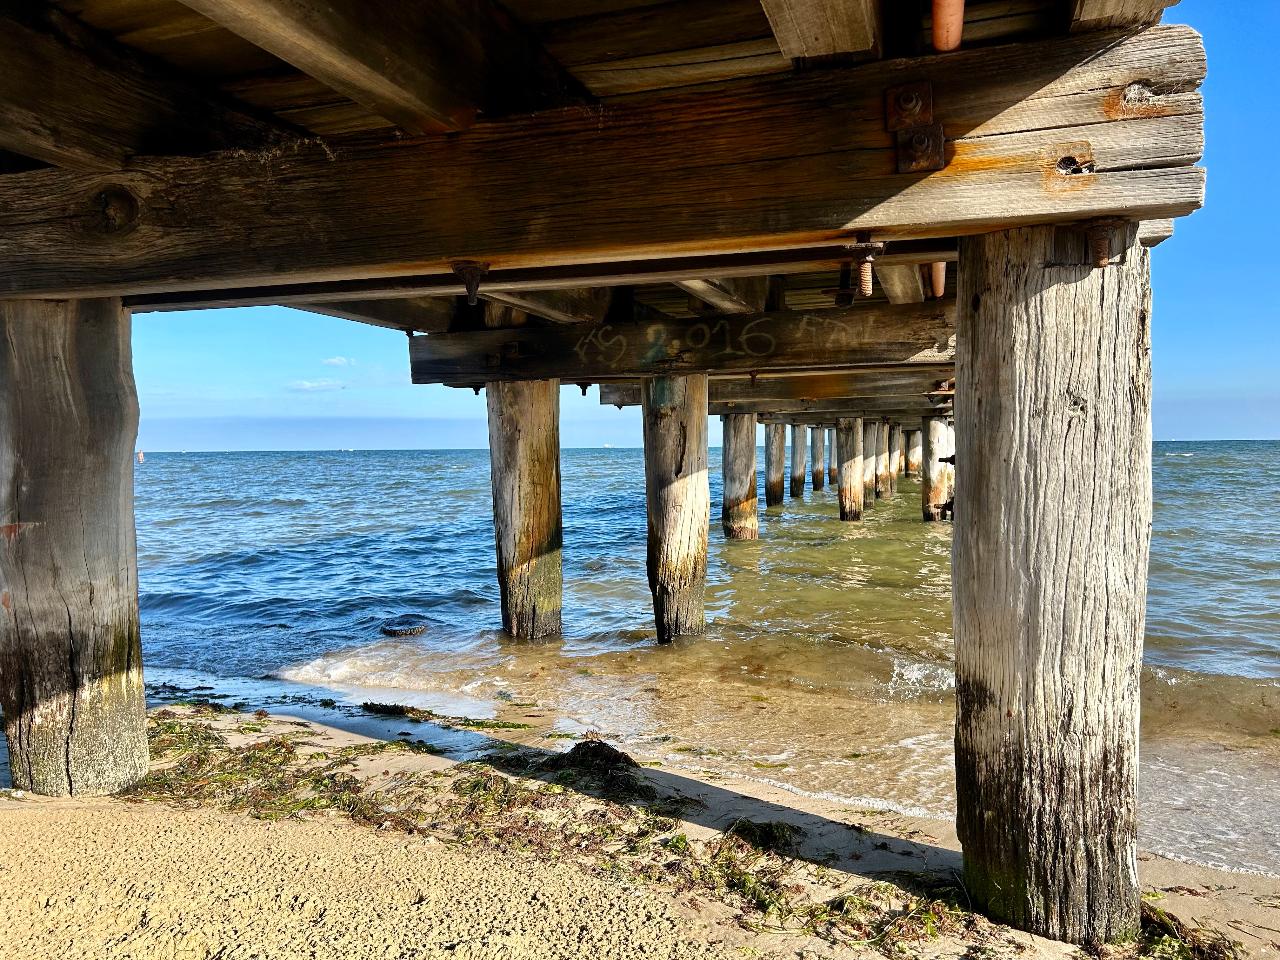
(1046, 760)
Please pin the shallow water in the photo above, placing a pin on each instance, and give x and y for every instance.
(827, 664)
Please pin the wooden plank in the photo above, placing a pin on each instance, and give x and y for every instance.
(408, 314)
(780, 162)
(820, 28)
(825, 410)
(580, 305)
(627, 273)
(888, 381)
(72, 98)
(1109, 14)
(901, 283)
(759, 342)
(427, 67)
(730, 294)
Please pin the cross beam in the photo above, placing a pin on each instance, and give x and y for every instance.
(746, 343)
(914, 379)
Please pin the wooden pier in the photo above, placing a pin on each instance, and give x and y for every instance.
(906, 236)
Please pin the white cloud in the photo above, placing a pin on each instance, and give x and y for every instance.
(316, 386)
(339, 362)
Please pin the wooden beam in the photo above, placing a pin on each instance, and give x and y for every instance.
(1152, 233)
(408, 314)
(820, 28)
(729, 295)
(74, 99)
(901, 283)
(425, 66)
(1066, 129)
(823, 410)
(889, 381)
(546, 279)
(580, 305)
(789, 339)
(1110, 14)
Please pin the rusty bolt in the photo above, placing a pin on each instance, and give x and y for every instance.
(909, 102)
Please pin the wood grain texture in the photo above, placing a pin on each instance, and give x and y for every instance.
(817, 457)
(524, 470)
(74, 99)
(739, 514)
(820, 28)
(849, 467)
(746, 343)
(426, 67)
(894, 381)
(870, 438)
(799, 456)
(1053, 451)
(781, 162)
(1109, 14)
(775, 462)
(678, 499)
(70, 654)
(407, 314)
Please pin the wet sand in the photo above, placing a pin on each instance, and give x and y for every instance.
(133, 880)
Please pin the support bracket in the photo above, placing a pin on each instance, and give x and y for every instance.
(920, 142)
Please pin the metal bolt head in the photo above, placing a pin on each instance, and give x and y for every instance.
(909, 102)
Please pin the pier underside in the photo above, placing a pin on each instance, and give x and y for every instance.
(910, 237)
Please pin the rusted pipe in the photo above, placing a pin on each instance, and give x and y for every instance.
(938, 278)
(948, 24)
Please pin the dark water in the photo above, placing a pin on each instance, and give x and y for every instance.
(827, 666)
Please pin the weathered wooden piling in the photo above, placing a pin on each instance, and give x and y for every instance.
(895, 456)
(817, 466)
(1047, 673)
(524, 469)
(884, 486)
(799, 454)
(739, 513)
(914, 451)
(775, 456)
(679, 501)
(870, 440)
(70, 653)
(833, 465)
(933, 473)
(849, 456)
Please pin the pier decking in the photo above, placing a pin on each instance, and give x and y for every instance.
(906, 232)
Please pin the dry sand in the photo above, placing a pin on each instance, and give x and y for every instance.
(109, 879)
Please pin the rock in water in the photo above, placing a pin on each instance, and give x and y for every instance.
(406, 625)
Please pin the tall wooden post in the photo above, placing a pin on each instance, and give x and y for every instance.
(933, 474)
(70, 653)
(884, 487)
(799, 453)
(895, 456)
(817, 468)
(679, 501)
(870, 440)
(849, 448)
(1053, 405)
(775, 455)
(950, 467)
(739, 513)
(833, 458)
(914, 452)
(524, 471)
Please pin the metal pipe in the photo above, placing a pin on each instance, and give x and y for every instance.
(948, 24)
(938, 279)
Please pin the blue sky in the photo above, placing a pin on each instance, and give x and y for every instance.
(270, 378)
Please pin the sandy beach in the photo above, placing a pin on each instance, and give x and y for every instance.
(269, 836)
